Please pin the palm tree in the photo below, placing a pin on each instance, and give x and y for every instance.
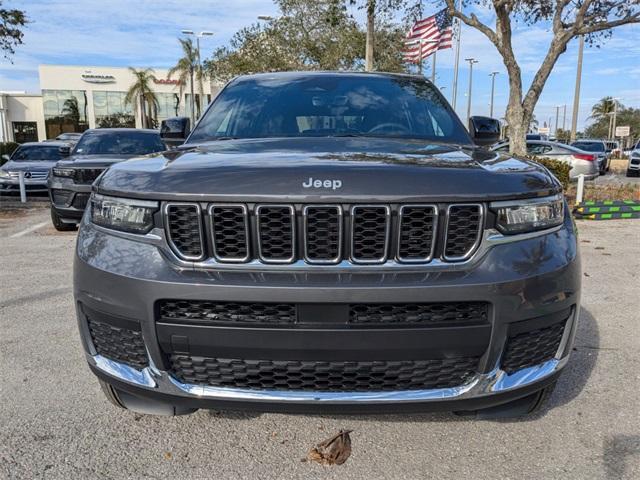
(142, 96)
(186, 68)
(602, 109)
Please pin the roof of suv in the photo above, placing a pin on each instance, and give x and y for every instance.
(301, 74)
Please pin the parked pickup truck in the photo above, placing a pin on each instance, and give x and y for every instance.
(331, 242)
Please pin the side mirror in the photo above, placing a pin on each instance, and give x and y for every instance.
(174, 131)
(6, 157)
(65, 150)
(484, 131)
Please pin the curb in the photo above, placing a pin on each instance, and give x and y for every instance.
(607, 210)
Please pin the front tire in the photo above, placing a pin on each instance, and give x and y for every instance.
(632, 173)
(59, 225)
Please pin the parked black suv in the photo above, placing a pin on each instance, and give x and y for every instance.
(327, 242)
(70, 181)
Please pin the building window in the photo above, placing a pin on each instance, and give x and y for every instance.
(111, 111)
(64, 111)
(25, 132)
(168, 105)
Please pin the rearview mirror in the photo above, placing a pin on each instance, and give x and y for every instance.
(64, 150)
(174, 131)
(485, 131)
(6, 157)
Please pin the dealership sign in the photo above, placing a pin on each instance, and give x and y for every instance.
(623, 131)
(93, 78)
(166, 81)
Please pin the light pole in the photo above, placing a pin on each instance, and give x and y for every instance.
(557, 116)
(493, 85)
(576, 95)
(200, 105)
(471, 62)
(615, 117)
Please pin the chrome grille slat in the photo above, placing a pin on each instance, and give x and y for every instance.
(183, 223)
(417, 233)
(229, 232)
(370, 225)
(276, 229)
(322, 236)
(464, 225)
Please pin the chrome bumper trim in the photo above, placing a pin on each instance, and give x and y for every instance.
(493, 382)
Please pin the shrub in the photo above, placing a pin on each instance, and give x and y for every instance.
(559, 169)
(6, 148)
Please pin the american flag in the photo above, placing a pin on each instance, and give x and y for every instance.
(435, 32)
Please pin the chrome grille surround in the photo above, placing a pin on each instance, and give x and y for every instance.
(478, 235)
(212, 213)
(402, 214)
(340, 234)
(354, 225)
(293, 220)
(262, 227)
(170, 236)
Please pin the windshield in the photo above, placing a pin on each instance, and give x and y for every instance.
(119, 143)
(589, 146)
(35, 153)
(330, 105)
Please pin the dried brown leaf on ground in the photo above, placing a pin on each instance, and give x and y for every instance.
(333, 451)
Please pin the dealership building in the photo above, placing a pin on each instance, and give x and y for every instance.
(75, 98)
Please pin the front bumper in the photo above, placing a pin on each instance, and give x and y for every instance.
(68, 199)
(13, 185)
(528, 281)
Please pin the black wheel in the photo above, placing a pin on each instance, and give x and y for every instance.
(59, 225)
(522, 407)
(632, 173)
(137, 404)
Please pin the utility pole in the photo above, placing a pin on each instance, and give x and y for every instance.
(564, 117)
(576, 95)
(471, 62)
(557, 116)
(493, 85)
(454, 89)
(615, 115)
(371, 17)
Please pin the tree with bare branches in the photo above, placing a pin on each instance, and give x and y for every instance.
(568, 19)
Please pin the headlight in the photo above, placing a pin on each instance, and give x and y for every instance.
(529, 215)
(63, 172)
(126, 215)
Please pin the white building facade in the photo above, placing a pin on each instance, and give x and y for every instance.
(75, 98)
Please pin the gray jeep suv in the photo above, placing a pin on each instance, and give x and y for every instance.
(329, 242)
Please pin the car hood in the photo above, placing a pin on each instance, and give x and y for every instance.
(92, 161)
(25, 165)
(349, 168)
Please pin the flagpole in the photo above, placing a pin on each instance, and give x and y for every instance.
(454, 92)
(433, 67)
(420, 56)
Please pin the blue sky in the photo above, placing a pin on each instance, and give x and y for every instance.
(143, 33)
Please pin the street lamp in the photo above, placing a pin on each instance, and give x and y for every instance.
(266, 18)
(471, 62)
(198, 37)
(493, 85)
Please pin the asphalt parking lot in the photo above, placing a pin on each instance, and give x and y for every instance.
(56, 423)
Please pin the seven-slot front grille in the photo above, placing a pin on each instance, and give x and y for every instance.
(323, 376)
(323, 234)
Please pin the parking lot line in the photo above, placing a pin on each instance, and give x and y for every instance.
(26, 231)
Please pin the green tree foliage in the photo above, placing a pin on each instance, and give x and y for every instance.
(599, 128)
(142, 96)
(11, 24)
(308, 35)
(602, 109)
